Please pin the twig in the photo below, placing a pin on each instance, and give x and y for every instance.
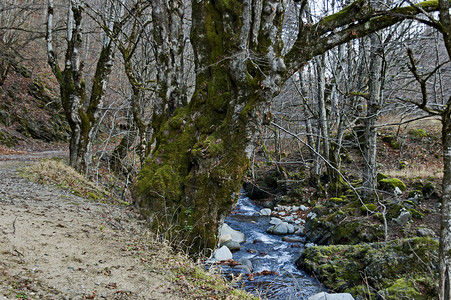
(14, 225)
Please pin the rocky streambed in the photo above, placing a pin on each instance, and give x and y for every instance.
(265, 247)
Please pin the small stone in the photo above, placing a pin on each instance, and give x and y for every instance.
(222, 253)
(246, 262)
(265, 212)
(280, 229)
(237, 236)
(309, 245)
(288, 219)
(303, 208)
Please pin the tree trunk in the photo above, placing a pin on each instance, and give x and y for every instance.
(445, 232)
(82, 112)
(370, 121)
(193, 176)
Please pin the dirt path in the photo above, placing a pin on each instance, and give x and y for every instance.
(54, 245)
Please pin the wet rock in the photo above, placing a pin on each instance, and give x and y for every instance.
(279, 229)
(237, 236)
(222, 253)
(243, 269)
(265, 212)
(232, 245)
(327, 296)
(291, 239)
(246, 262)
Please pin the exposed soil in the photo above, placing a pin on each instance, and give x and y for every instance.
(54, 245)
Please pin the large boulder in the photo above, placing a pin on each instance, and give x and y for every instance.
(237, 236)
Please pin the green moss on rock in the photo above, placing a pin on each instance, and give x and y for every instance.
(391, 270)
(392, 183)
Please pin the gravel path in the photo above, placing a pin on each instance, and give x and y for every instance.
(54, 245)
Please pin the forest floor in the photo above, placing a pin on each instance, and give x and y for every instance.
(55, 245)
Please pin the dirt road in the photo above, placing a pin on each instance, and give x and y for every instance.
(54, 245)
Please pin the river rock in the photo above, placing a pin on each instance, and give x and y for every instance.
(243, 269)
(222, 253)
(232, 245)
(300, 230)
(280, 229)
(303, 208)
(265, 212)
(275, 221)
(289, 219)
(291, 239)
(290, 228)
(246, 262)
(327, 296)
(224, 238)
(237, 236)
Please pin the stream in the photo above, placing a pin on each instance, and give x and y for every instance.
(268, 252)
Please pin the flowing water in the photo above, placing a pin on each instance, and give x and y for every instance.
(269, 252)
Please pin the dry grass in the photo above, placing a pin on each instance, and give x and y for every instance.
(416, 173)
(56, 172)
(190, 278)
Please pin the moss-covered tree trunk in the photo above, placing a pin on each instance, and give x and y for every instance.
(192, 178)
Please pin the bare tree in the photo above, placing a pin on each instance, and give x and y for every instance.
(82, 110)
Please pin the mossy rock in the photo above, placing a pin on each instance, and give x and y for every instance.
(403, 164)
(428, 190)
(392, 141)
(390, 184)
(381, 176)
(388, 269)
(337, 200)
(368, 207)
(417, 134)
(417, 194)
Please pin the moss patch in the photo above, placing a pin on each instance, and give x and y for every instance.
(392, 183)
(397, 269)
